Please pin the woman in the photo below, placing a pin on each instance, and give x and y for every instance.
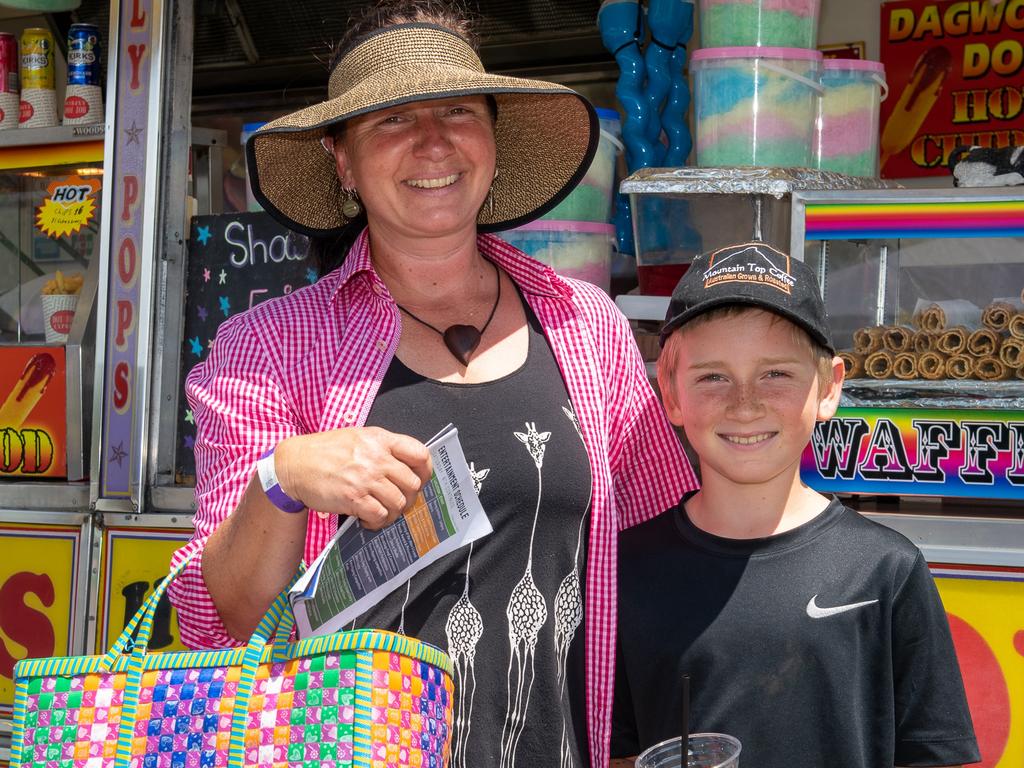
(328, 393)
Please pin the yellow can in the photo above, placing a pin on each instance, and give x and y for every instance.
(37, 59)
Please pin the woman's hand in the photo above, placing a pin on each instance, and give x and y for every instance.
(365, 472)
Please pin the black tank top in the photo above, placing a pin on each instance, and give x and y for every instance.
(509, 607)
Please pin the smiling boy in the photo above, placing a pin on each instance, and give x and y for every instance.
(809, 632)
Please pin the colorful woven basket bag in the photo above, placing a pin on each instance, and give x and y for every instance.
(362, 699)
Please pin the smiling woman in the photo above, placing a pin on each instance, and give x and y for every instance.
(315, 405)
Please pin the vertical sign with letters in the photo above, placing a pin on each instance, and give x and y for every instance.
(129, 251)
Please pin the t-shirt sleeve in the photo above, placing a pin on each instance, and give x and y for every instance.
(239, 411)
(625, 740)
(933, 723)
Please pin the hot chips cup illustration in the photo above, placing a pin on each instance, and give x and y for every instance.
(60, 299)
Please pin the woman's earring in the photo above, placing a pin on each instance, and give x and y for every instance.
(351, 207)
(490, 197)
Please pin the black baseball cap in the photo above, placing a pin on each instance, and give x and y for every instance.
(751, 274)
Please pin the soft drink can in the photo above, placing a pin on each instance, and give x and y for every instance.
(8, 63)
(84, 54)
(37, 59)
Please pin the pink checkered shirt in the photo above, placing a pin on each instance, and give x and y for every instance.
(313, 361)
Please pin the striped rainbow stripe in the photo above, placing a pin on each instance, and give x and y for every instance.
(1003, 218)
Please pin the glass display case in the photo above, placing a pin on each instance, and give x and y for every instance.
(50, 193)
(925, 293)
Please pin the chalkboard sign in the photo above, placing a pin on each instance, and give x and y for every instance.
(235, 261)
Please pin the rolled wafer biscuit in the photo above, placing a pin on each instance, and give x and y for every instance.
(952, 342)
(931, 318)
(904, 366)
(997, 315)
(960, 367)
(942, 315)
(925, 341)
(983, 342)
(1012, 352)
(1016, 326)
(1020, 373)
(854, 364)
(867, 340)
(931, 366)
(896, 338)
(992, 369)
(878, 365)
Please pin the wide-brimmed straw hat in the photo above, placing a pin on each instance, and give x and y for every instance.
(545, 134)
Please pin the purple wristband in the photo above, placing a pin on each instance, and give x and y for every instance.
(268, 479)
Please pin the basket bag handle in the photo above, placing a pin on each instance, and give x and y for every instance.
(277, 622)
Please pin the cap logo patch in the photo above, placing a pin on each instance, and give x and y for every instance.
(749, 265)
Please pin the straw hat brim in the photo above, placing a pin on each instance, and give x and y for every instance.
(545, 137)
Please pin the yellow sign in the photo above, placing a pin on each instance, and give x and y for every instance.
(38, 588)
(986, 616)
(135, 561)
(70, 206)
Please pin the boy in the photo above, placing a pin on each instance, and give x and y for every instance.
(812, 634)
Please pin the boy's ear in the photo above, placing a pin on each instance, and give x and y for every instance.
(668, 392)
(831, 391)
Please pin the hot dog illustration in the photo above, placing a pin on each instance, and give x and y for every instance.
(916, 101)
(27, 391)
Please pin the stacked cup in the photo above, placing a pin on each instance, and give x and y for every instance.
(10, 88)
(766, 97)
(576, 237)
(83, 99)
(757, 82)
(846, 133)
(38, 92)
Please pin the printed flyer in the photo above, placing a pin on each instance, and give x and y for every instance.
(359, 567)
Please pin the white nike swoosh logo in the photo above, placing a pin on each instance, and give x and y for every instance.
(819, 613)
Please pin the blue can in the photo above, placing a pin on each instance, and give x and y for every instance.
(84, 54)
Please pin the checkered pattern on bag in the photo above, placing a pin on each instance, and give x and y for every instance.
(300, 714)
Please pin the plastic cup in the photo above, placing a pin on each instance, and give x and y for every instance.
(706, 750)
(58, 314)
(846, 140)
(593, 197)
(784, 23)
(578, 249)
(756, 106)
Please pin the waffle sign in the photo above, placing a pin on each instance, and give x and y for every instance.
(965, 453)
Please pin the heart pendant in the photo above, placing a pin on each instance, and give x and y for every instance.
(462, 341)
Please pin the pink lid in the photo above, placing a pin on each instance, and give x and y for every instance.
(562, 225)
(756, 52)
(858, 64)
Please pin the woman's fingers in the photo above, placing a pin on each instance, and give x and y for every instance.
(413, 454)
(368, 473)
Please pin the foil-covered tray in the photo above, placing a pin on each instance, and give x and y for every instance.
(942, 393)
(777, 182)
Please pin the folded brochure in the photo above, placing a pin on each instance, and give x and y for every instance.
(359, 568)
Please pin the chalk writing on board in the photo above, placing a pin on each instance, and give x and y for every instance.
(235, 261)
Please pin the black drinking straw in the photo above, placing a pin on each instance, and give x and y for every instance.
(684, 741)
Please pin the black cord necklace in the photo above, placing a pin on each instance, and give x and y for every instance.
(461, 340)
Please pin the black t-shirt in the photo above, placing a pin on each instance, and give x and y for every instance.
(509, 607)
(825, 645)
